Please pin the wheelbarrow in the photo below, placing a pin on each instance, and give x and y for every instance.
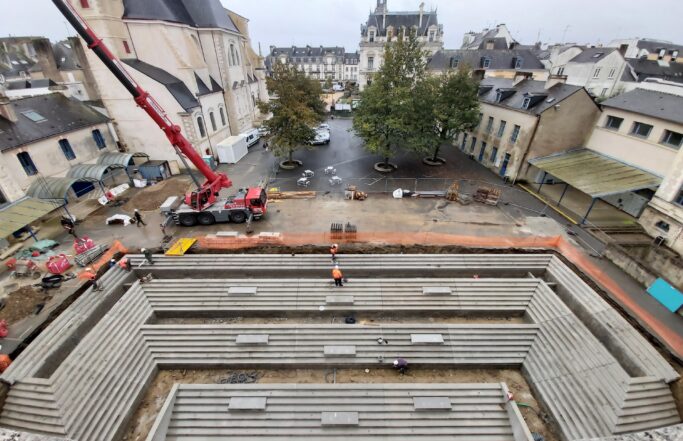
(50, 282)
(26, 268)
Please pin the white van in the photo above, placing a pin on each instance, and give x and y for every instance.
(252, 137)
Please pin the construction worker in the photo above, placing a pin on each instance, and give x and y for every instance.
(5, 361)
(138, 218)
(91, 275)
(148, 256)
(112, 263)
(333, 251)
(401, 365)
(124, 264)
(337, 276)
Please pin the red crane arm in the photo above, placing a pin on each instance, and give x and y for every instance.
(203, 197)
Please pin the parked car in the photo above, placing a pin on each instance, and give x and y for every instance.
(322, 136)
(323, 126)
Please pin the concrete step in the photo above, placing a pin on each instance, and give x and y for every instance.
(316, 411)
(303, 345)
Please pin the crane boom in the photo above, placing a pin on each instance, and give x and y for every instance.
(203, 197)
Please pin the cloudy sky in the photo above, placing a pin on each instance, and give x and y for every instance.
(337, 22)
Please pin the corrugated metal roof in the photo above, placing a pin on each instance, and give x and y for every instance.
(21, 213)
(93, 171)
(54, 189)
(595, 174)
(117, 158)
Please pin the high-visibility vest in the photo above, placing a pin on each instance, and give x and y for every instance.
(336, 274)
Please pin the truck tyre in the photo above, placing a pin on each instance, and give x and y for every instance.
(188, 220)
(238, 217)
(206, 219)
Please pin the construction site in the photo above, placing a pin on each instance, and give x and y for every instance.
(445, 311)
(512, 346)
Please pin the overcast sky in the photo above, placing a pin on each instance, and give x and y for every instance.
(337, 22)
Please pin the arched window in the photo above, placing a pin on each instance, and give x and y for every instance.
(222, 112)
(232, 55)
(200, 124)
(213, 121)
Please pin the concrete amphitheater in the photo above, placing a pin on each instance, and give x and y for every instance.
(593, 374)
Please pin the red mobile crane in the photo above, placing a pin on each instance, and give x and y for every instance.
(200, 205)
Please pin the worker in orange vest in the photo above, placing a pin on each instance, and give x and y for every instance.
(5, 361)
(124, 264)
(337, 276)
(91, 275)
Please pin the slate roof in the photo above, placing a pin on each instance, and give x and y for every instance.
(352, 56)
(647, 102)
(204, 89)
(397, 20)
(500, 59)
(195, 13)
(65, 56)
(592, 55)
(653, 46)
(644, 68)
(61, 115)
(29, 84)
(535, 89)
(175, 86)
(13, 63)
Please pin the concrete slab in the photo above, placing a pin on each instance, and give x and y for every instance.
(339, 418)
(432, 403)
(426, 339)
(339, 300)
(247, 403)
(437, 291)
(242, 290)
(252, 339)
(340, 351)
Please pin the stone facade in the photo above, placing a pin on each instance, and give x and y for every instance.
(220, 78)
(384, 26)
(319, 62)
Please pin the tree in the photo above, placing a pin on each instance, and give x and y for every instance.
(382, 118)
(328, 83)
(296, 109)
(453, 98)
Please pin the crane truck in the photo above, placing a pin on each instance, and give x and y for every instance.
(200, 206)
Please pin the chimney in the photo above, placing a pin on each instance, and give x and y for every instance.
(7, 108)
(422, 10)
(555, 79)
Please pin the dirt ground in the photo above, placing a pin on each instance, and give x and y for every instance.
(146, 413)
(152, 197)
(361, 319)
(21, 303)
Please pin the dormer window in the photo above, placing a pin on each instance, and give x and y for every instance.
(526, 103)
(432, 36)
(598, 54)
(485, 62)
(499, 96)
(371, 36)
(455, 61)
(518, 62)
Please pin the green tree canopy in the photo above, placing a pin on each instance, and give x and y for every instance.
(443, 106)
(382, 119)
(296, 108)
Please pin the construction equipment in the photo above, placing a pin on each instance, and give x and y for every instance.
(352, 193)
(489, 196)
(200, 205)
(181, 246)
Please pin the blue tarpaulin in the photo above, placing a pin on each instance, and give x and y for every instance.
(666, 294)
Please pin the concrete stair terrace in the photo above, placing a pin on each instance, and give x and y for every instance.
(473, 412)
(89, 368)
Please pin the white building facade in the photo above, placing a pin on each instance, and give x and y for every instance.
(195, 64)
(384, 26)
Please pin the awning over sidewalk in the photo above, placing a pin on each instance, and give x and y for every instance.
(93, 171)
(18, 214)
(594, 174)
(117, 158)
(57, 189)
